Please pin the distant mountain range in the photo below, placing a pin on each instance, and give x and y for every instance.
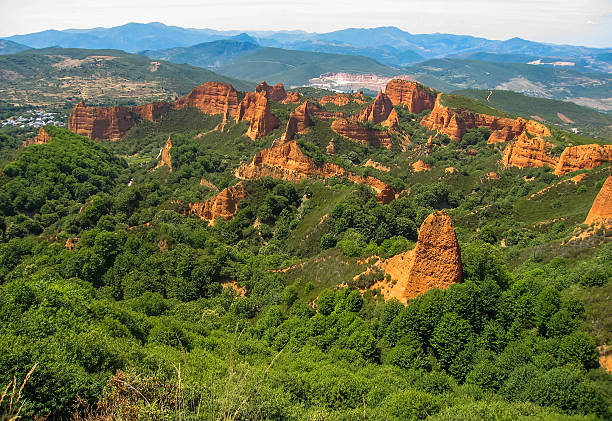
(11, 47)
(389, 45)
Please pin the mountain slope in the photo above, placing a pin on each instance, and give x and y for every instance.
(209, 54)
(10, 47)
(297, 67)
(55, 75)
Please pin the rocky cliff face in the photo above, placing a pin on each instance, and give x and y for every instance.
(40, 138)
(342, 99)
(528, 152)
(100, 123)
(355, 131)
(211, 98)
(455, 122)
(224, 204)
(437, 258)
(435, 262)
(152, 111)
(410, 94)
(255, 107)
(601, 211)
(166, 159)
(287, 161)
(274, 93)
(583, 157)
(299, 120)
(378, 111)
(292, 98)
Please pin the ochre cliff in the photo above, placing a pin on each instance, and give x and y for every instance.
(299, 120)
(410, 94)
(379, 111)
(152, 111)
(356, 131)
(165, 158)
(211, 98)
(528, 152)
(435, 262)
(255, 107)
(342, 99)
(583, 157)
(286, 161)
(455, 122)
(100, 123)
(40, 138)
(224, 204)
(292, 98)
(274, 93)
(601, 211)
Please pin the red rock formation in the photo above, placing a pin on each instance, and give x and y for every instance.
(211, 98)
(528, 152)
(100, 123)
(601, 211)
(355, 131)
(274, 93)
(583, 157)
(330, 149)
(40, 138)
(287, 161)
(378, 111)
(152, 111)
(255, 107)
(419, 166)
(410, 94)
(166, 159)
(437, 258)
(224, 204)
(342, 99)
(292, 98)
(299, 120)
(455, 122)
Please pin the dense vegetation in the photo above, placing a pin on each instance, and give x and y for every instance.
(128, 308)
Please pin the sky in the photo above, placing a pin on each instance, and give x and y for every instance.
(577, 22)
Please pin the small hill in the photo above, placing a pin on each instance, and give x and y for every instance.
(10, 47)
(53, 76)
(208, 54)
(293, 68)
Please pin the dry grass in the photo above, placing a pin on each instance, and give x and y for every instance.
(11, 404)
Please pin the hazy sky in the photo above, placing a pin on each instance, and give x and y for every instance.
(584, 22)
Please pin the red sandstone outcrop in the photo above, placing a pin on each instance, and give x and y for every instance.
(292, 98)
(40, 138)
(455, 122)
(255, 107)
(287, 161)
(342, 99)
(437, 258)
(601, 211)
(419, 166)
(100, 123)
(274, 93)
(211, 98)
(330, 149)
(528, 152)
(410, 94)
(435, 262)
(379, 111)
(224, 204)
(356, 131)
(299, 120)
(152, 111)
(166, 159)
(583, 157)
